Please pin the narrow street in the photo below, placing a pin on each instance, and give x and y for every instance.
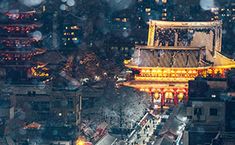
(143, 136)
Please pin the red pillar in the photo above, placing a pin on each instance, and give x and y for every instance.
(162, 99)
(186, 98)
(175, 98)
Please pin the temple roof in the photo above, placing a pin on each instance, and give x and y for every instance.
(168, 57)
(169, 47)
(173, 24)
(177, 57)
(221, 60)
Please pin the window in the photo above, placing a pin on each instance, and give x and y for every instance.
(197, 111)
(213, 112)
(147, 9)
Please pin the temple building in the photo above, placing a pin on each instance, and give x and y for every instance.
(176, 53)
(20, 41)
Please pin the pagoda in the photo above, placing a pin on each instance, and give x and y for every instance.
(19, 43)
(176, 53)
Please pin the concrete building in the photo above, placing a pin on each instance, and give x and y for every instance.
(71, 34)
(210, 110)
(47, 104)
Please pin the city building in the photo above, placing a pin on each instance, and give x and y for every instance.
(129, 26)
(7, 111)
(210, 111)
(225, 11)
(176, 53)
(153, 9)
(40, 111)
(61, 106)
(7, 107)
(71, 32)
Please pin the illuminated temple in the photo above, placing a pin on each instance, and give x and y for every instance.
(19, 44)
(176, 53)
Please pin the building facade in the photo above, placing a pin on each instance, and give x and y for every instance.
(210, 112)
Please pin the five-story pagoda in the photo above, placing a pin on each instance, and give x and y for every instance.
(19, 42)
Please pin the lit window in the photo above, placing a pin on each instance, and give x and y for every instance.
(72, 33)
(117, 19)
(213, 96)
(75, 39)
(124, 20)
(147, 9)
(164, 14)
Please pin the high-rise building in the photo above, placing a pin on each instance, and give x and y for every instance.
(226, 11)
(152, 9)
(72, 35)
(70, 32)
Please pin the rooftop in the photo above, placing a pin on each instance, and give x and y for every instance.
(171, 24)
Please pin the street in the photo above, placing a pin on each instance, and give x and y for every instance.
(142, 137)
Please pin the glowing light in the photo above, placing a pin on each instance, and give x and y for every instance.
(126, 61)
(207, 4)
(63, 7)
(37, 35)
(180, 96)
(31, 3)
(70, 3)
(80, 142)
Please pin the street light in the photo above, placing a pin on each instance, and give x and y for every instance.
(80, 142)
